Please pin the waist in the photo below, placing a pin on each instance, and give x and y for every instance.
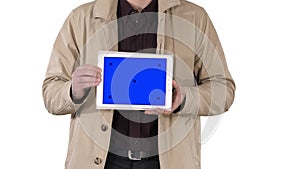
(126, 155)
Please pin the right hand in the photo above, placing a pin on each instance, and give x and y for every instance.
(84, 77)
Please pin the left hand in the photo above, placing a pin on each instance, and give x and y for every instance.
(178, 96)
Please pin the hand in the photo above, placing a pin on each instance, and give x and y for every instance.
(178, 96)
(84, 77)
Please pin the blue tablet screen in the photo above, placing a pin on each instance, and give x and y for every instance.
(135, 81)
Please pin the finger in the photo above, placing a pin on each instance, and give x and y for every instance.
(87, 85)
(88, 79)
(88, 72)
(154, 111)
(150, 112)
(176, 86)
(89, 66)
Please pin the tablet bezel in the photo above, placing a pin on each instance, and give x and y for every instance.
(169, 78)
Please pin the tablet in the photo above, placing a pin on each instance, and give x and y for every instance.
(135, 81)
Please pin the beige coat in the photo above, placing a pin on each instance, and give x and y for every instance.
(186, 31)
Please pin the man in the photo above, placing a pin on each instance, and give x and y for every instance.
(116, 139)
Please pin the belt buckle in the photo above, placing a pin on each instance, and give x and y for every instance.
(130, 153)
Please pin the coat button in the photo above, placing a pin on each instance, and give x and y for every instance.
(98, 161)
(103, 127)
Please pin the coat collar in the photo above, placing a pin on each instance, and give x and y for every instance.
(107, 9)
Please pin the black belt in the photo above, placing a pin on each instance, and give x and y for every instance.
(134, 155)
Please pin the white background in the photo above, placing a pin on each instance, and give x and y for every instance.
(261, 42)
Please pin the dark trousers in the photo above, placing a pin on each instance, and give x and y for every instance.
(118, 162)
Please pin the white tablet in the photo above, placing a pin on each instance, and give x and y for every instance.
(135, 81)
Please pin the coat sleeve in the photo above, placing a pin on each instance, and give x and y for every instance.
(214, 88)
(57, 83)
